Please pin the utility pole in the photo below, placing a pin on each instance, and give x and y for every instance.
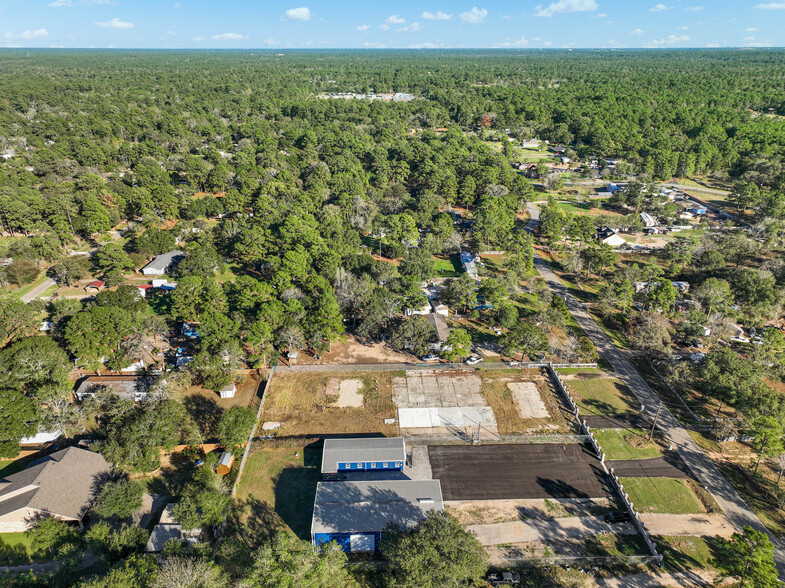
(654, 424)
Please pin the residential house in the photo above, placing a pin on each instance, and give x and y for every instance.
(609, 236)
(467, 261)
(648, 220)
(62, 485)
(126, 387)
(168, 529)
(439, 323)
(161, 263)
(96, 286)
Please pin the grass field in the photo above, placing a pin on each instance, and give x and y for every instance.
(602, 396)
(662, 495)
(284, 480)
(8, 467)
(301, 403)
(446, 268)
(15, 549)
(686, 553)
(500, 399)
(627, 444)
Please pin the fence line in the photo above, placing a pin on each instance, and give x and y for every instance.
(618, 486)
(253, 431)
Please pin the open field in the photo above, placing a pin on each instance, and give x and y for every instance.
(627, 444)
(301, 403)
(662, 495)
(496, 389)
(602, 396)
(285, 480)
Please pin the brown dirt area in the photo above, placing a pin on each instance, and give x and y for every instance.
(301, 403)
(478, 512)
(353, 351)
(245, 395)
(509, 421)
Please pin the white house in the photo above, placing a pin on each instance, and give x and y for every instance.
(159, 265)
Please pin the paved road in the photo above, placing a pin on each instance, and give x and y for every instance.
(38, 290)
(737, 511)
(383, 367)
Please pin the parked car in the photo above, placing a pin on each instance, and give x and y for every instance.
(430, 357)
(515, 362)
(504, 579)
(474, 360)
(617, 516)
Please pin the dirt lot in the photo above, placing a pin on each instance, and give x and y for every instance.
(353, 351)
(247, 385)
(301, 403)
(496, 389)
(493, 472)
(478, 512)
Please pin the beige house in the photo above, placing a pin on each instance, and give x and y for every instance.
(61, 485)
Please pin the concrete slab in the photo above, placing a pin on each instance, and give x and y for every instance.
(546, 529)
(528, 401)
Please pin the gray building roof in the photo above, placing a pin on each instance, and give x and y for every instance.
(440, 325)
(63, 483)
(162, 262)
(126, 387)
(363, 449)
(367, 507)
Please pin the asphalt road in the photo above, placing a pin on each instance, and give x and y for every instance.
(37, 291)
(739, 514)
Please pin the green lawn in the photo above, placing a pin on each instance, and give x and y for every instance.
(15, 549)
(285, 480)
(626, 444)
(446, 268)
(8, 467)
(685, 553)
(602, 396)
(662, 495)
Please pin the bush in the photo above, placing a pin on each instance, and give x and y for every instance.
(119, 499)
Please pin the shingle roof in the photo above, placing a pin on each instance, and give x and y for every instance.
(63, 483)
(124, 386)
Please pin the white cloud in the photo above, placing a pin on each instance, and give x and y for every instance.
(370, 45)
(176, 5)
(438, 15)
(363, 27)
(58, 3)
(228, 37)
(415, 26)
(474, 16)
(713, 45)
(395, 19)
(171, 33)
(602, 15)
(684, 28)
(750, 30)
(384, 27)
(426, 46)
(566, 7)
(547, 43)
(115, 23)
(271, 41)
(693, 8)
(27, 35)
(302, 13)
(771, 6)
(522, 42)
(636, 32)
(658, 8)
(671, 40)
(197, 39)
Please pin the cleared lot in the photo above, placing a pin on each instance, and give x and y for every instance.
(668, 466)
(494, 472)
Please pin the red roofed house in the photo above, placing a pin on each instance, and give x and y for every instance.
(98, 285)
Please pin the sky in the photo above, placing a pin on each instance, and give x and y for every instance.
(421, 24)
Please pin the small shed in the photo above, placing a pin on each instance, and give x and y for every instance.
(97, 285)
(363, 454)
(225, 463)
(143, 288)
(228, 391)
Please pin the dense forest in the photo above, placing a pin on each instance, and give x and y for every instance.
(302, 220)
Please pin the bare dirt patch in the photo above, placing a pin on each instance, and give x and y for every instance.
(478, 512)
(527, 400)
(354, 351)
(300, 401)
(349, 394)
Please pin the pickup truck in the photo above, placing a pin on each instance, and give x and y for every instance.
(504, 579)
(473, 360)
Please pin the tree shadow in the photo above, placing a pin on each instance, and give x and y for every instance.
(560, 488)
(205, 412)
(295, 490)
(173, 477)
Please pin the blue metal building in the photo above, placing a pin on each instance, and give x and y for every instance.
(363, 454)
(354, 513)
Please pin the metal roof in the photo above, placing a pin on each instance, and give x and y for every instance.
(361, 449)
(163, 261)
(367, 507)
